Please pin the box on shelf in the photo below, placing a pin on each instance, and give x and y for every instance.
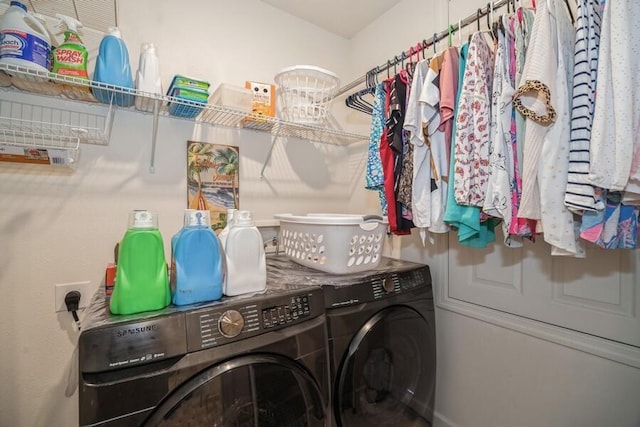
(263, 99)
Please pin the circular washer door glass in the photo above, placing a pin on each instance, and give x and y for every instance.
(387, 377)
(253, 390)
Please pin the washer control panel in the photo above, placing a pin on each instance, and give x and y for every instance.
(296, 308)
(238, 318)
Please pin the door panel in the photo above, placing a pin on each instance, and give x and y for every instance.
(597, 295)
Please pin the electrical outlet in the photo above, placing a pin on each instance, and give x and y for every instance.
(62, 289)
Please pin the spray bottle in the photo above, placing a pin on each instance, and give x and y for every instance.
(71, 57)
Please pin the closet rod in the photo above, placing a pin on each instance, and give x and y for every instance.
(442, 35)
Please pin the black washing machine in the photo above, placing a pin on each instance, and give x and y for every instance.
(243, 361)
(382, 341)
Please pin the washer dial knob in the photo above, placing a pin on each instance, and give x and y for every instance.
(388, 284)
(231, 323)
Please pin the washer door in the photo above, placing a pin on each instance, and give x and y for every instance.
(387, 377)
(254, 390)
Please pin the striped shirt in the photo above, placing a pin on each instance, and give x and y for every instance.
(580, 194)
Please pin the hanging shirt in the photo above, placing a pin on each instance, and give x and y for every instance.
(471, 232)
(497, 202)
(615, 226)
(617, 115)
(548, 70)
(580, 194)
(435, 140)
(616, 118)
(374, 179)
(523, 27)
(421, 182)
(471, 152)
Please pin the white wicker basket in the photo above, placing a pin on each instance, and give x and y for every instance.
(304, 93)
(333, 243)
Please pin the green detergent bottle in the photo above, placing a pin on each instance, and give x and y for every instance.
(142, 282)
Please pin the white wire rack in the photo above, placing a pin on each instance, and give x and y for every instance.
(39, 148)
(96, 129)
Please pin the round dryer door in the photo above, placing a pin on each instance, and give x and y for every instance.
(253, 390)
(387, 376)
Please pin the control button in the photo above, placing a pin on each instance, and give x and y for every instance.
(231, 323)
(388, 284)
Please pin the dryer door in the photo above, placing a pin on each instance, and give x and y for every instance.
(253, 390)
(387, 376)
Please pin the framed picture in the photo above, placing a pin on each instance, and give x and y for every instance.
(213, 180)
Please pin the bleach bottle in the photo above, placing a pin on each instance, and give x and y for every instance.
(24, 41)
(246, 262)
(113, 68)
(142, 282)
(197, 270)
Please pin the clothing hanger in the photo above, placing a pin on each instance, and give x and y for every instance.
(478, 14)
(460, 31)
(424, 48)
(450, 35)
(434, 42)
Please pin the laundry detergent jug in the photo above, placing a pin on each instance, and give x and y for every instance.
(197, 265)
(142, 281)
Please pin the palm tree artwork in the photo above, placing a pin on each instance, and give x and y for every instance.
(213, 179)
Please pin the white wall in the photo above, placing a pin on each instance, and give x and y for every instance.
(57, 228)
(490, 376)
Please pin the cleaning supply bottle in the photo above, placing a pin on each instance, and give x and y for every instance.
(197, 269)
(142, 282)
(24, 41)
(246, 262)
(148, 77)
(70, 59)
(225, 231)
(113, 68)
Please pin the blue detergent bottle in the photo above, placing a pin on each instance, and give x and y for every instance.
(113, 68)
(197, 274)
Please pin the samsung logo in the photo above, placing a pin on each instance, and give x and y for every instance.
(135, 331)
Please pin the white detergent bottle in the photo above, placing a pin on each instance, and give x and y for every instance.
(246, 262)
(225, 231)
(148, 78)
(24, 41)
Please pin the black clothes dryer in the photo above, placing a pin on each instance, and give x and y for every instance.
(382, 341)
(244, 361)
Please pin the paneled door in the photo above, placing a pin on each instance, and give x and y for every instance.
(598, 295)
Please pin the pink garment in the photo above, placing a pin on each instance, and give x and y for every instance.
(448, 91)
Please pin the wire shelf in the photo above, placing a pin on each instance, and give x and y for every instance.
(38, 148)
(75, 88)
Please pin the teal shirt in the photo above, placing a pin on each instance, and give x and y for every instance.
(471, 232)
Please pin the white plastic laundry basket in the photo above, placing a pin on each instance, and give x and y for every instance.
(333, 243)
(304, 93)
